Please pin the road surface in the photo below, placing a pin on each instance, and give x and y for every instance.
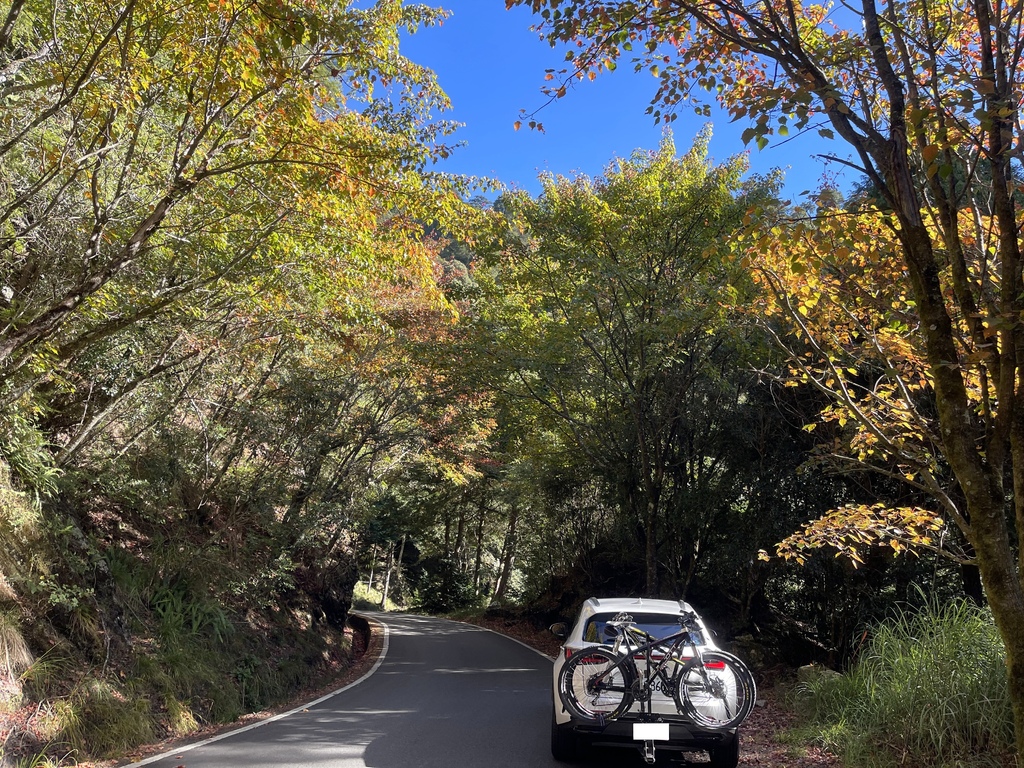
(446, 694)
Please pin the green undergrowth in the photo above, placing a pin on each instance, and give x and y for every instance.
(929, 689)
(182, 660)
(366, 598)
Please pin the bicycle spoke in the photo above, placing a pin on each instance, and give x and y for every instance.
(719, 695)
(594, 686)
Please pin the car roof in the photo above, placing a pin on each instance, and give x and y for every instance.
(595, 605)
(636, 606)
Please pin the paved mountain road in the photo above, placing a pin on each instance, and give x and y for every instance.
(445, 695)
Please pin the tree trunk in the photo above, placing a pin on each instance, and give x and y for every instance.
(387, 577)
(651, 550)
(478, 559)
(460, 540)
(508, 556)
(399, 575)
(373, 562)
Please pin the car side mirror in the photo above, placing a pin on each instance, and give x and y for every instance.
(559, 630)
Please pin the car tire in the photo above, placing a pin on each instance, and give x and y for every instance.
(564, 746)
(726, 756)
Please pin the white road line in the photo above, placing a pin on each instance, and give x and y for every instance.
(513, 639)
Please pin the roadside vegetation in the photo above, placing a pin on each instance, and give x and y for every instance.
(179, 661)
(259, 360)
(928, 687)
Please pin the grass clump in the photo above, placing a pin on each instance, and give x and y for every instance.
(15, 659)
(97, 719)
(930, 688)
(15, 656)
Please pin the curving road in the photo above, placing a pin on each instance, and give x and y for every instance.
(445, 694)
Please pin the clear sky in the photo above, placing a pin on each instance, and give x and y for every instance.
(492, 66)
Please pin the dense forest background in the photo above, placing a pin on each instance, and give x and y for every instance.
(255, 351)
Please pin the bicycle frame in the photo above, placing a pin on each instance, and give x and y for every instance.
(671, 645)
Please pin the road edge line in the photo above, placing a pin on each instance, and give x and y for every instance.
(281, 715)
(502, 634)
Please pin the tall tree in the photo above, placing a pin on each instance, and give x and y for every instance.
(615, 317)
(926, 94)
(212, 223)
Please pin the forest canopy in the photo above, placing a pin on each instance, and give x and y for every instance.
(255, 349)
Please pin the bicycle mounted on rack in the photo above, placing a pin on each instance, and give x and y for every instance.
(712, 689)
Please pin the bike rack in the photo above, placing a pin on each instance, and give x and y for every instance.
(646, 715)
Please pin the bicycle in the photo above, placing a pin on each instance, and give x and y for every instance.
(713, 688)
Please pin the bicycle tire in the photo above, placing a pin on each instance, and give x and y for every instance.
(719, 696)
(575, 681)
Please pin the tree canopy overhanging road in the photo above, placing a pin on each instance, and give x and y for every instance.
(261, 359)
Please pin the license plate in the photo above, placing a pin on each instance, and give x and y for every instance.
(650, 731)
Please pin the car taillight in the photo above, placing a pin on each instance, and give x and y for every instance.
(718, 666)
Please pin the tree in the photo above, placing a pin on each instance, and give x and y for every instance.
(187, 181)
(154, 150)
(212, 238)
(918, 90)
(614, 314)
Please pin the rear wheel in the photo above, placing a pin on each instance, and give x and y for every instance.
(719, 695)
(726, 756)
(593, 686)
(564, 747)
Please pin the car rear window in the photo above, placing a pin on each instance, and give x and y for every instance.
(656, 624)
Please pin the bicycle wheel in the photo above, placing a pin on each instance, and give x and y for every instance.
(592, 687)
(719, 695)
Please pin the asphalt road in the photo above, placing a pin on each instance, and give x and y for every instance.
(445, 694)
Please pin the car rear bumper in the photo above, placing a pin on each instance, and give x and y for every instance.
(619, 733)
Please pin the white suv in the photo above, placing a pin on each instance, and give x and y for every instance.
(658, 618)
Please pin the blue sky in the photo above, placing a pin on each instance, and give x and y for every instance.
(492, 66)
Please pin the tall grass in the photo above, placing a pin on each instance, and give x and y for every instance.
(15, 656)
(930, 688)
(98, 719)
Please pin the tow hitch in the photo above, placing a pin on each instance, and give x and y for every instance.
(649, 733)
(648, 752)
